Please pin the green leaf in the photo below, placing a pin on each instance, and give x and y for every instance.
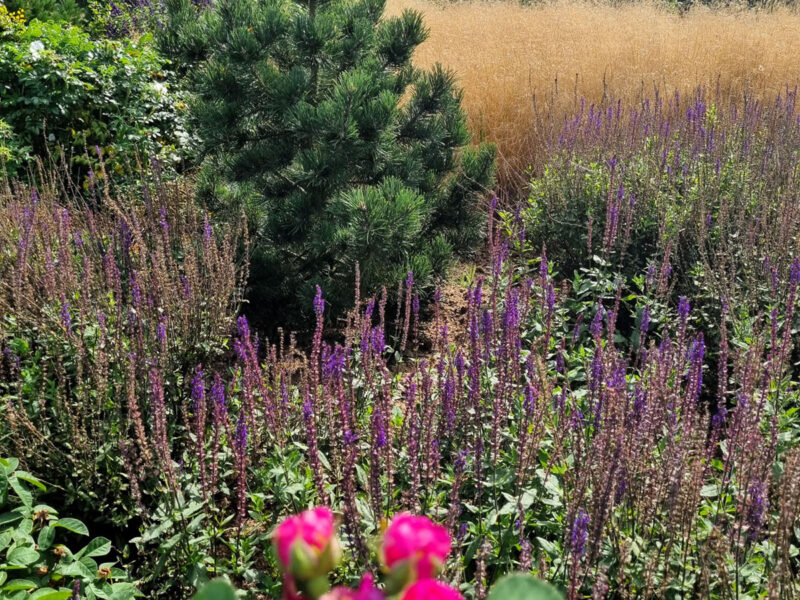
(216, 590)
(547, 546)
(122, 591)
(73, 525)
(523, 587)
(710, 490)
(22, 493)
(76, 569)
(9, 464)
(97, 547)
(95, 591)
(19, 584)
(51, 594)
(25, 476)
(9, 517)
(23, 556)
(46, 537)
(24, 528)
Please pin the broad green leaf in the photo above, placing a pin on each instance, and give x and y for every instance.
(97, 591)
(19, 584)
(97, 547)
(24, 528)
(25, 476)
(46, 537)
(76, 569)
(9, 464)
(73, 525)
(5, 539)
(122, 591)
(22, 493)
(216, 590)
(523, 587)
(23, 556)
(51, 594)
(9, 517)
(710, 490)
(547, 546)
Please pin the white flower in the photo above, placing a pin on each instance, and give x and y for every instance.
(35, 48)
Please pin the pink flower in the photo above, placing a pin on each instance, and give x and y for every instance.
(430, 589)
(417, 542)
(305, 543)
(366, 591)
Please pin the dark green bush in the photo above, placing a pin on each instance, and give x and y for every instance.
(59, 87)
(312, 116)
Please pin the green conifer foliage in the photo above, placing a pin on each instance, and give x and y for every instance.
(313, 119)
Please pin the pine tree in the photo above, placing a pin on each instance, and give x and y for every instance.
(312, 117)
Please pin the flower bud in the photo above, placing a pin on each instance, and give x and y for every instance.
(305, 544)
(415, 545)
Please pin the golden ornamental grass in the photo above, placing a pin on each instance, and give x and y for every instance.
(524, 68)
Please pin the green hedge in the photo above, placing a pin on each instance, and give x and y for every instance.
(59, 87)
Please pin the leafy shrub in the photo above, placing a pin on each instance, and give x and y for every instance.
(92, 301)
(706, 186)
(700, 201)
(10, 20)
(118, 19)
(72, 11)
(59, 87)
(313, 117)
(34, 562)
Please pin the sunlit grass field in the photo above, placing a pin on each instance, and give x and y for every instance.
(525, 68)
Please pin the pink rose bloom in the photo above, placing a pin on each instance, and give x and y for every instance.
(430, 589)
(313, 529)
(417, 541)
(366, 591)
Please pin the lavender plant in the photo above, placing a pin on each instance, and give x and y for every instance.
(705, 186)
(104, 311)
(545, 433)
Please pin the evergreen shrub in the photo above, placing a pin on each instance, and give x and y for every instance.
(313, 118)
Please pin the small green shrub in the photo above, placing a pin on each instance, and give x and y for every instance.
(60, 87)
(118, 19)
(33, 565)
(71, 11)
(314, 118)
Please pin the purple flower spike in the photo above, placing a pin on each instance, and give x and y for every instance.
(66, 318)
(578, 535)
(645, 324)
(683, 307)
(319, 303)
